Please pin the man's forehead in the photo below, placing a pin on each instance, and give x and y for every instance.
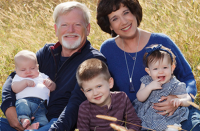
(75, 12)
(71, 17)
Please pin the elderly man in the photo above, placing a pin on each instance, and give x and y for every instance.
(59, 61)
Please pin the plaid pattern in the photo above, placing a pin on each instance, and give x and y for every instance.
(148, 115)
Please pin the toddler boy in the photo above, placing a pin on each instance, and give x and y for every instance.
(95, 81)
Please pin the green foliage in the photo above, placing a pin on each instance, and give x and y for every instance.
(28, 24)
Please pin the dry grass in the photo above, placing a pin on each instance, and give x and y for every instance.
(117, 127)
(28, 24)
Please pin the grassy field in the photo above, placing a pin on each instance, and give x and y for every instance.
(28, 24)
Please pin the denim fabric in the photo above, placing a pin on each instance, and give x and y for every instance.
(4, 125)
(193, 122)
(47, 126)
(32, 107)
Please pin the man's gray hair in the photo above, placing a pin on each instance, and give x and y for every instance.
(65, 7)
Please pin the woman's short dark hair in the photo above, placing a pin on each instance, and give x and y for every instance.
(105, 7)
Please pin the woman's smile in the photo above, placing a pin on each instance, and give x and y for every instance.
(127, 27)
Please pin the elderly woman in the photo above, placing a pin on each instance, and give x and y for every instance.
(124, 53)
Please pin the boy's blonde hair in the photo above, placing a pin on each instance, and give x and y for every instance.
(91, 68)
(24, 55)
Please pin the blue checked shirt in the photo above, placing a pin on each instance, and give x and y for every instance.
(149, 116)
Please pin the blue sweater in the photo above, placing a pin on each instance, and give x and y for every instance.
(117, 65)
(67, 93)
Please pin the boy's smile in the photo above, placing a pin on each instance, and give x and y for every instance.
(97, 90)
(98, 98)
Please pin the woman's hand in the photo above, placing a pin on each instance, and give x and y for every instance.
(165, 105)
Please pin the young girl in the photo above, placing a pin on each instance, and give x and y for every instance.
(160, 64)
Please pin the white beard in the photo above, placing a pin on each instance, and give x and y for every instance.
(70, 45)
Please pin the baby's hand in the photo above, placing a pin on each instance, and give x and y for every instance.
(47, 82)
(155, 84)
(176, 102)
(30, 83)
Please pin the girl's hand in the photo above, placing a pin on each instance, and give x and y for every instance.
(154, 85)
(176, 102)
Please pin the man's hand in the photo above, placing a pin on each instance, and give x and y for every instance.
(11, 116)
(166, 106)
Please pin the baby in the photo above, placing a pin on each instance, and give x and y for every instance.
(32, 90)
(160, 81)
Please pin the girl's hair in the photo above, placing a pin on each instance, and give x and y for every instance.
(158, 52)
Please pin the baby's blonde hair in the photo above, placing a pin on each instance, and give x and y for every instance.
(24, 54)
